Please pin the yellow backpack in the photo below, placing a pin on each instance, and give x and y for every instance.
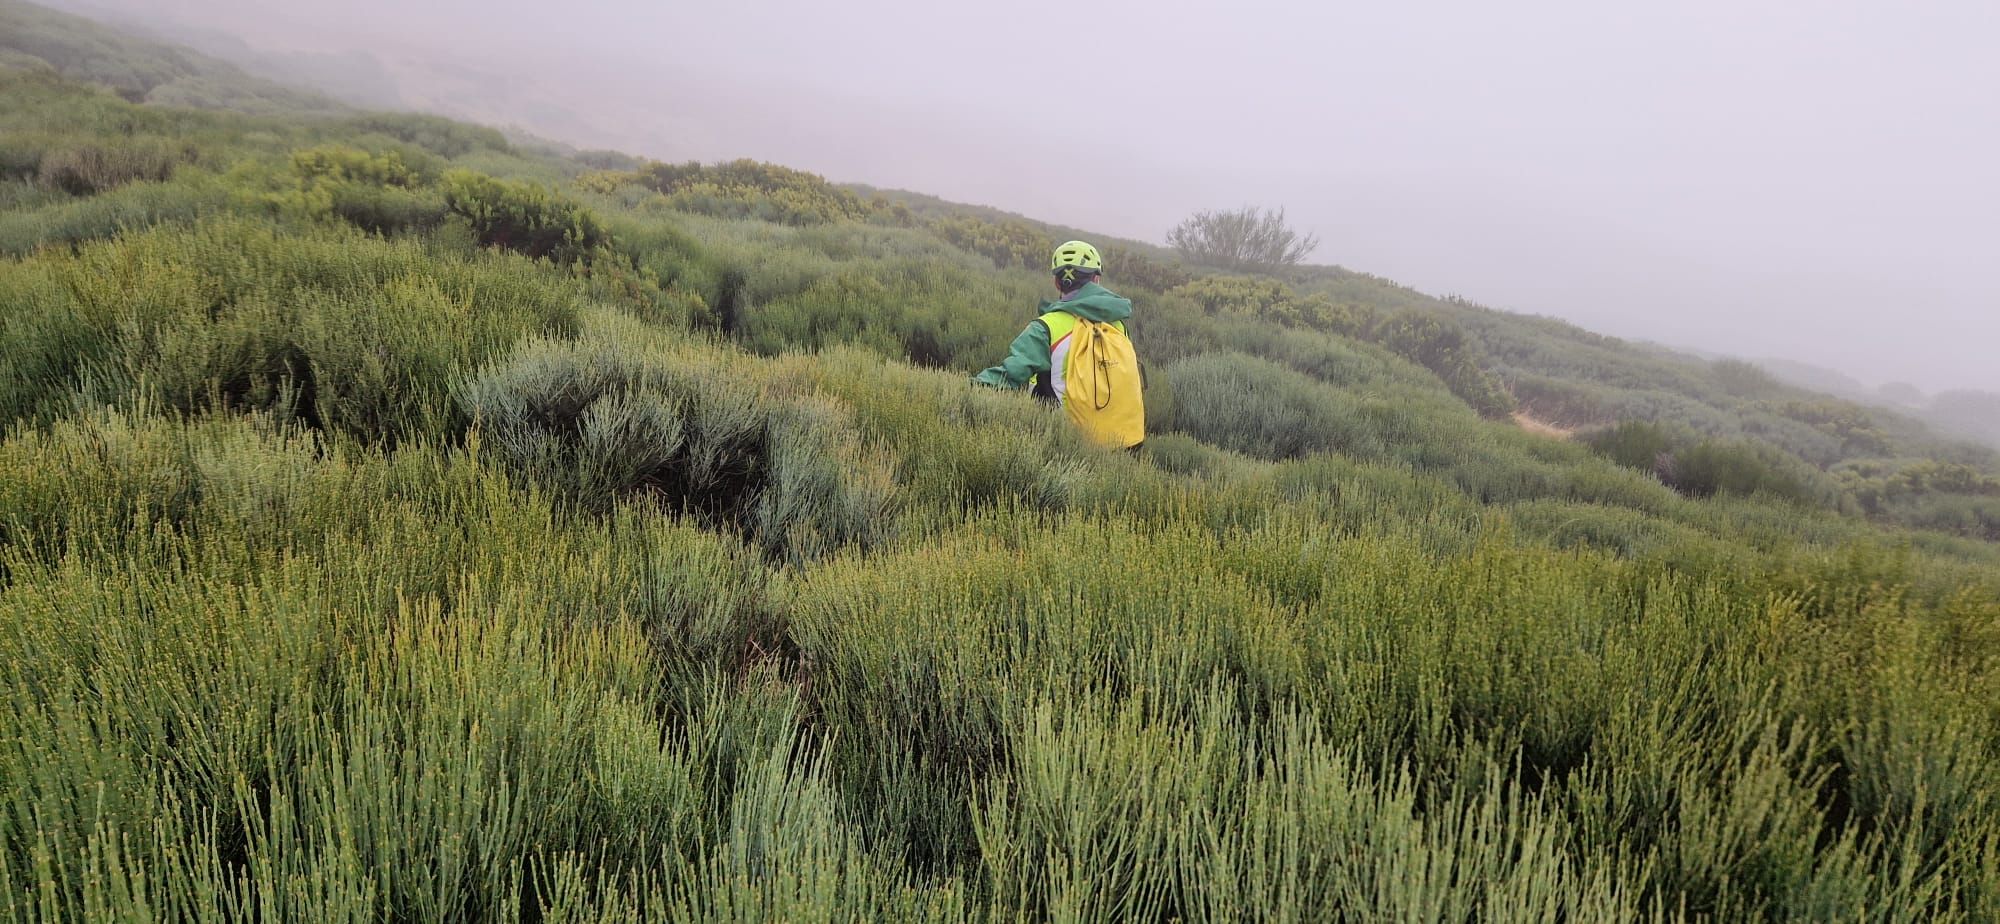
(1098, 379)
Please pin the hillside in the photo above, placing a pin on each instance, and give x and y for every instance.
(402, 522)
(138, 69)
(1967, 413)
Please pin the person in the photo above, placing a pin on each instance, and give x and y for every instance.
(1114, 414)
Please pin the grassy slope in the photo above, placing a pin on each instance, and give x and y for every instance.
(355, 564)
(1857, 457)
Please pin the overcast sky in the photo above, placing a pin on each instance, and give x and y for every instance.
(1818, 181)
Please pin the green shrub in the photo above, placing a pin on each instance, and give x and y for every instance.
(383, 193)
(386, 168)
(956, 448)
(1239, 295)
(749, 189)
(21, 154)
(1184, 455)
(1706, 467)
(191, 196)
(909, 310)
(1635, 444)
(12, 60)
(524, 218)
(1625, 532)
(943, 689)
(1118, 815)
(1341, 362)
(1009, 244)
(440, 136)
(1258, 408)
(436, 712)
(344, 332)
(1127, 268)
(1504, 467)
(1744, 379)
(1976, 517)
(1444, 349)
(1422, 338)
(386, 210)
(86, 170)
(671, 254)
(25, 196)
(601, 421)
(1710, 467)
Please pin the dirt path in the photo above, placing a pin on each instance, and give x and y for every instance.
(1541, 427)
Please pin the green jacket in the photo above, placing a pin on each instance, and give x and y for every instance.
(1029, 356)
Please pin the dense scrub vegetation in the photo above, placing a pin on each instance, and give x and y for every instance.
(41, 39)
(399, 524)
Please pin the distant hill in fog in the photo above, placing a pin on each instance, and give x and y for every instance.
(1964, 412)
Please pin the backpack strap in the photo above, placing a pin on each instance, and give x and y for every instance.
(1061, 322)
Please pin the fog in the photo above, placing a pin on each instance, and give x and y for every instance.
(1762, 178)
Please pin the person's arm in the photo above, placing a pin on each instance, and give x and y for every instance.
(1027, 358)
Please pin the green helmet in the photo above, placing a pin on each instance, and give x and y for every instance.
(1077, 254)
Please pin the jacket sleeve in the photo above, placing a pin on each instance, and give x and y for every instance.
(1027, 358)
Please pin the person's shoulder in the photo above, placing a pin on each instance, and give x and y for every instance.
(1104, 294)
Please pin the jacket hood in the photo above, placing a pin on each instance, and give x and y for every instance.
(1095, 303)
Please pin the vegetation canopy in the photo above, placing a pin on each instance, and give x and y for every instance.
(402, 523)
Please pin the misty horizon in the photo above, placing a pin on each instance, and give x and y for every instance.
(1732, 178)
